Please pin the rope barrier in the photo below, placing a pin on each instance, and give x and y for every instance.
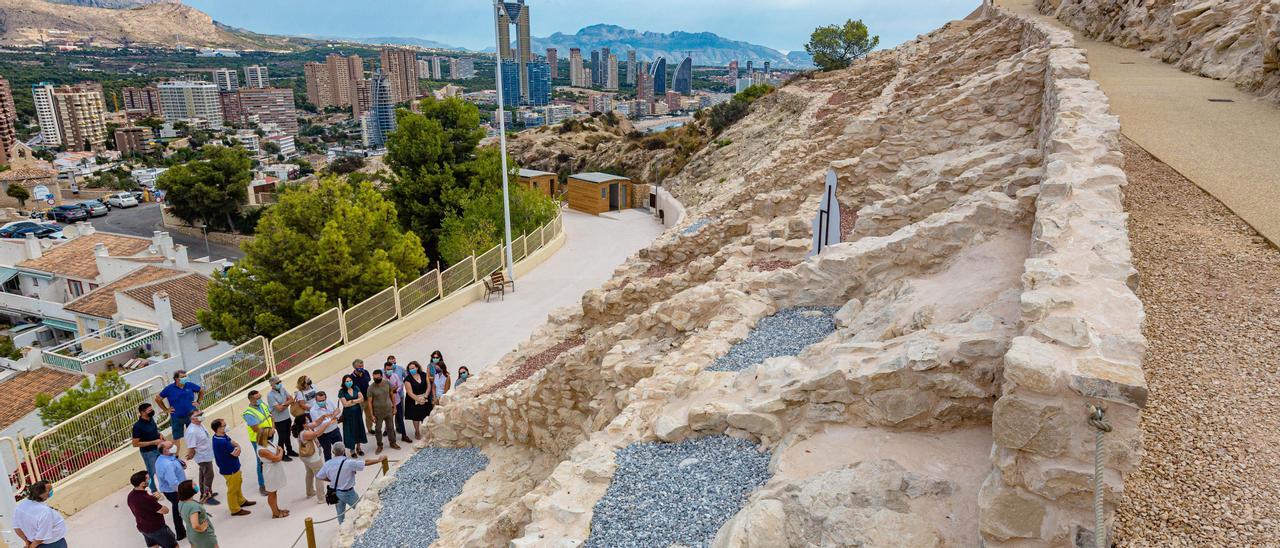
(1097, 419)
(309, 531)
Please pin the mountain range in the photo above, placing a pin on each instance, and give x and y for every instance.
(706, 48)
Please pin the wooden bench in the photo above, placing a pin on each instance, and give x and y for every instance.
(497, 283)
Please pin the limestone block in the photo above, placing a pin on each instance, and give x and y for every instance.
(897, 405)
(764, 425)
(1037, 427)
(922, 354)
(1033, 365)
(761, 524)
(1071, 331)
(709, 417)
(672, 426)
(1005, 513)
(1096, 377)
(952, 385)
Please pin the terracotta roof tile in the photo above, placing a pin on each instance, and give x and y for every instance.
(101, 302)
(19, 392)
(187, 294)
(24, 173)
(75, 259)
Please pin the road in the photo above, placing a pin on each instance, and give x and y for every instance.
(144, 220)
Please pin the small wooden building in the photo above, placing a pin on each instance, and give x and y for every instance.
(596, 193)
(541, 181)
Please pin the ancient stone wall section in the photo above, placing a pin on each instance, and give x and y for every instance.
(1081, 341)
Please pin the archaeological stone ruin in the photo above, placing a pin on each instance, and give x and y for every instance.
(927, 382)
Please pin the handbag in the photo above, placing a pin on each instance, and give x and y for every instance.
(296, 409)
(330, 492)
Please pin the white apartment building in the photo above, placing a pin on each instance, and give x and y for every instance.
(555, 114)
(255, 76)
(226, 79)
(46, 115)
(191, 100)
(147, 176)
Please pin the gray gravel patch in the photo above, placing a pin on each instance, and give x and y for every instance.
(666, 494)
(696, 226)
(786, 333)
(423, 485)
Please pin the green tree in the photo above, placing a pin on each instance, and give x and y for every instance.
(480, 225)
(152, 122)
(89, 393)
(837, 46)
(315, 246)
(210, 189)
(19, 193)
(728, 113)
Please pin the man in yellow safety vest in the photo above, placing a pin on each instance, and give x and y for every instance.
(255, 417)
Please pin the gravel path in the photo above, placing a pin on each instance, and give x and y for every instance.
(783, 334)
(666, 494)
(423, 485)
(1211, 287)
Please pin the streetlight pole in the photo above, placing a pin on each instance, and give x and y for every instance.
(502, 141)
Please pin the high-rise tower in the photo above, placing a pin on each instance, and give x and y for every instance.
(553, 59)
(517, 13)
(631, 67)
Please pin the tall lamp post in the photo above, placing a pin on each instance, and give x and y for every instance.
(502, 140)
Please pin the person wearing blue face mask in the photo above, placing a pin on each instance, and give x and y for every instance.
(195, 518)
(419, 394)
(321, 407)
(354, 435)
(35, 522)
(183, 398)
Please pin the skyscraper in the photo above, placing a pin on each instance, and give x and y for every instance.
(360, 99)
(539, 84)
(510, 84)
(270, 106)
(644, 84)
(749, 68)
(255, 76)
(462, 68)
(380, 121)
(575, 67)
(187, 100)
(42, 96)
(595, 68)
(631, 67)
(141, 102)
(658, 73)
(437, 68)
(400, 69)
(81, 116)
(766, 67)
(553, 60)
(517, 13)
(683, 81)
(611, 76)
(733, 69)
(8, 121)
(227, 79)
(333, 82)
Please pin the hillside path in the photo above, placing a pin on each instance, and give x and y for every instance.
(1229, 149)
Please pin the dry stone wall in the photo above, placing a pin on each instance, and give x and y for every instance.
(984, 295)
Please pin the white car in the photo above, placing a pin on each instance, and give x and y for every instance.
(122, 199)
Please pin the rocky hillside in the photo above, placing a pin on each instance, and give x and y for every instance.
(606, 144)
(923, 383)
(163, 24)
(114, 4)
(1235, 40)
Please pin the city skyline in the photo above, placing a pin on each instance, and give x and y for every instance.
(469, 24)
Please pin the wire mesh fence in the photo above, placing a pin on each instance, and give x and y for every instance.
(418, 293)
(232, 372)
(518, 250)
(489, 262)
(307, 341)
(370, 314)
(458, 276)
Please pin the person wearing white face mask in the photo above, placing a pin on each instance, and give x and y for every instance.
(332, 435)
(200, 448)
(170, 473)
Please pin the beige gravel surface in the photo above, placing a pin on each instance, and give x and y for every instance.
(1211, 288)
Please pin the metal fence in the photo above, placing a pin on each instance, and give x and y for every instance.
(418, 293)
(370, 314)
(78, 442)
(307, 341)
(81, 440)
(458, 276)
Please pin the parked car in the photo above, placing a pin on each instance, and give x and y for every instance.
(68, 213)
(122, 199)
(27, 224)
(94, 208)
(21, 230)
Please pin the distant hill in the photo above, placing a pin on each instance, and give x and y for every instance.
(111, 23)
(706, 48)
(403, 41)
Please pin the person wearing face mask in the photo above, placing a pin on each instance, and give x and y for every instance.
(395, 377)
(169, 474)
(353, 416)
(463, 375)
(195, 517)
(442, 381)
(183, 397)
(147, 438)
(436, 359)
(360, 376)
(35, 522)
(226, 452)
(418, 396)
(280, 400)
(309, 451)
(382, 402)
(257, 417)
(148, 514)
(303, 398)
(319, 410)
(200, 450)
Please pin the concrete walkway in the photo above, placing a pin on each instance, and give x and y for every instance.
(476, 336)
(1229, 149)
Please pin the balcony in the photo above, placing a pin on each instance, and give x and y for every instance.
(88, 354)
(34, 307)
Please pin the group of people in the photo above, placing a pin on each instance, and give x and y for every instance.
(328, 436)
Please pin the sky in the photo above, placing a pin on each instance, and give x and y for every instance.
(784, 25)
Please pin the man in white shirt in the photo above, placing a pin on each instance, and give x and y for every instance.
(37, 523)
(200, 449)
(340, 472)
(331, 435)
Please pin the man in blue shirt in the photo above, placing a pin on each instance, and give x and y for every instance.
(226, 453)
(169, 474)
(183, 397)
(147, 438)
